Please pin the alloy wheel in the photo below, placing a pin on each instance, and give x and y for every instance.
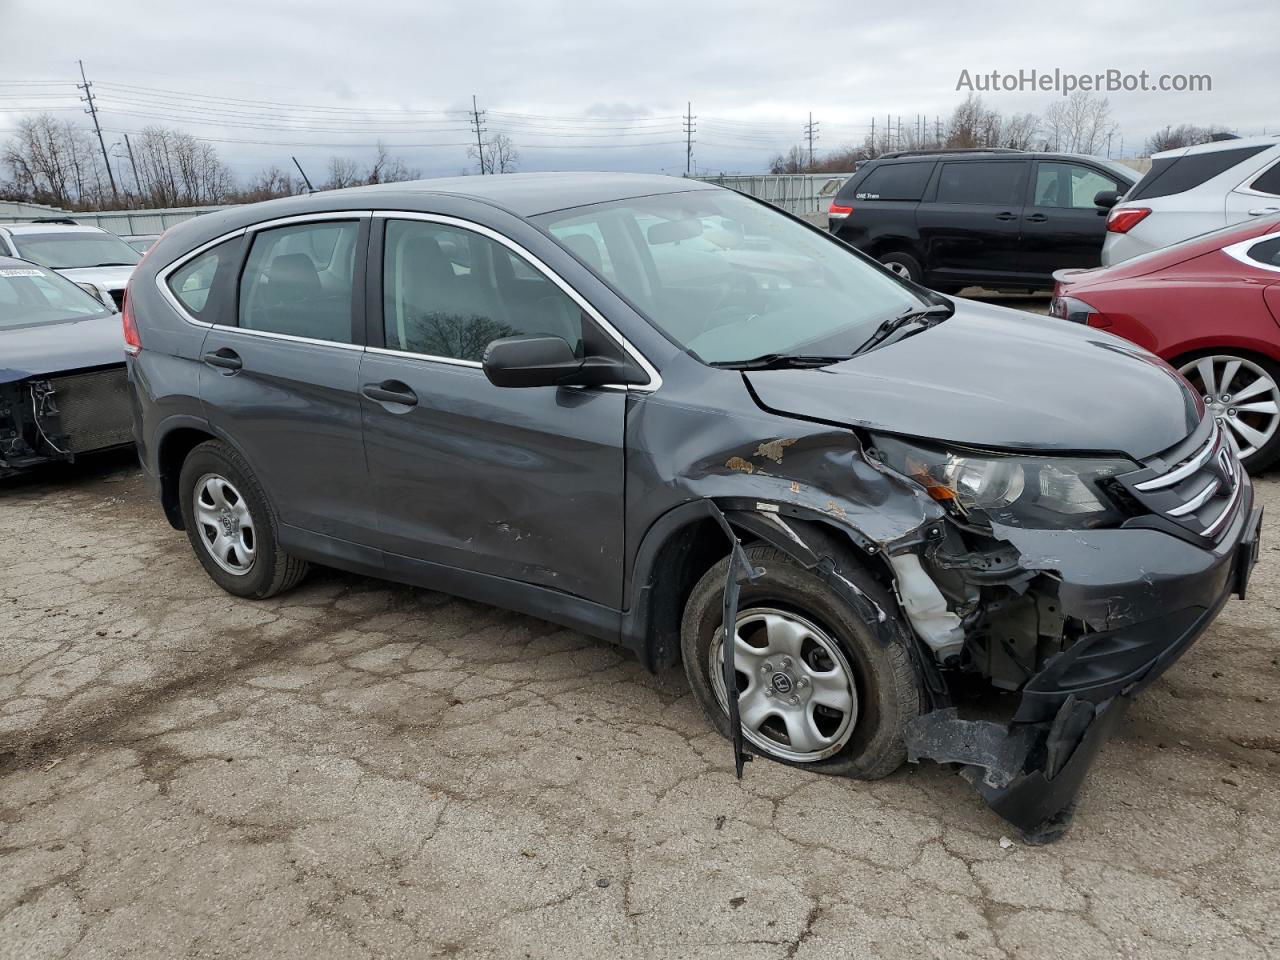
(796, 693)
(899, 268)
(226, 525)
(1241, 395)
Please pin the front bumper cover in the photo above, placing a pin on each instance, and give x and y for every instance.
(1147, 608)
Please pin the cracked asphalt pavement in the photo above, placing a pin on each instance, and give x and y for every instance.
(359, 769)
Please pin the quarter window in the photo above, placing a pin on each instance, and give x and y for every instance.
(450, 292)
(895, 181)
(298, 280)
(1267, 252)
(982, 182)
(192, 282)
(1269, 182)
(1069, 185)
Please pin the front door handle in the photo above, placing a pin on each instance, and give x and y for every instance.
(1036, 218)
(1006, 215)
(1263, 211)
(225, 357)
(390, 391)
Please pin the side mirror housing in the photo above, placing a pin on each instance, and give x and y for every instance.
(550, 362)
(1106, 199)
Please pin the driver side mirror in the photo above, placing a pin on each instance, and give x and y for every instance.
(549, 362)
(1106, 199)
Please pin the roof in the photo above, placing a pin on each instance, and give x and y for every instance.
(20, 228)
(1271, 140)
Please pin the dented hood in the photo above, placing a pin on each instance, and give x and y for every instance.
(999, 378)
(56, 347)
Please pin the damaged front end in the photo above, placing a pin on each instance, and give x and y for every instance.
(51, 419)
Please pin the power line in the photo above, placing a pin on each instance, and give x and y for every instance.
(86, 86)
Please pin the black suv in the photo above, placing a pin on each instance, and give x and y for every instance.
(991, 218)
(644, 407)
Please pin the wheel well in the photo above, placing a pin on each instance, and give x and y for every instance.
(172, 454)
(1244, 352)
(883, 247)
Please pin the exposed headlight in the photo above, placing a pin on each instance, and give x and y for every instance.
(1016, 490)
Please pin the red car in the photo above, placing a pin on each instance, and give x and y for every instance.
(1210, 306)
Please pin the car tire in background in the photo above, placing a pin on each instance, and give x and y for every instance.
(817, 688)
(1242, 390)
(904, 265)
(232, 526)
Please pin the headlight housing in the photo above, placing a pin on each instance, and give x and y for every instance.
(1017, 490)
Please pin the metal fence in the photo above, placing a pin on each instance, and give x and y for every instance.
(124, 223)
(803, 194)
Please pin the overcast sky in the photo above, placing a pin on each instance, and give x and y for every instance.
(551, 74)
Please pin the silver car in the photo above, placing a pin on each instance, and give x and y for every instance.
(100, 262)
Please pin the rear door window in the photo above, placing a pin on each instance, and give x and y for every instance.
(984, 182)
(298, 280)
(895, 181)
(1170, 175)
(1069, 185)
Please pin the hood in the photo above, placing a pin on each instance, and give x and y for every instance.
(998, 378)
(108, 278)
(56, 347)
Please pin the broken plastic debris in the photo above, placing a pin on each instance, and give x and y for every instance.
(1006, 843)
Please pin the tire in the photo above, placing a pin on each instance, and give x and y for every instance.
(885, 694)
(904, 265)
(232, 526)
(1255, 431)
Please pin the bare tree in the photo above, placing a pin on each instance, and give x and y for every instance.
(795, 160)
(52, 161)
(268, 184)
(497, 154)
(389, 169)
(343, 172)
(1184, 135)
(973, 124)
(1079, 123)
(1019, 131)
(177, 170)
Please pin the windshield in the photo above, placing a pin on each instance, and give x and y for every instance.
(30, 295)
(66, 250)
(730, 279)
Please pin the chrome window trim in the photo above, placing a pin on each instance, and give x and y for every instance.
(271, 335)
(453, 361)
(655, 378)
(1240, 251)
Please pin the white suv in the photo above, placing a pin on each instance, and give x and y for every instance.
(98, 261)
(1192, 190)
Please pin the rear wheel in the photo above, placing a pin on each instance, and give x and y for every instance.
(1243, 393)
(816, 686)
(904, 265)
(231, 524)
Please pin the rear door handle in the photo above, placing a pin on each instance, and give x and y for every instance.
(225, 357)
(1036, 218)
(1263, 211)
(1006, 216)
(390, 391)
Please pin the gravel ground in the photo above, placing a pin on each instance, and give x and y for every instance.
(360, 769)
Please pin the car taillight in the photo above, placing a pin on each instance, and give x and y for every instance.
(838, 212)
(1076, 311)
(1122, 220)
(132, 342)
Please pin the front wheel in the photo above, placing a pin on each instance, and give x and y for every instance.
(1243, 393)
(904, 265)
(816, 685)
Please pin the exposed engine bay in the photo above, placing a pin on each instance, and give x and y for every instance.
(49, 419)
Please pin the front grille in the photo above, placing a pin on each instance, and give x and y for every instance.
(1199, 490)
(93, 409)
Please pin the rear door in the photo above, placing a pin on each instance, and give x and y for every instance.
(882, 205)
(971, 221)
(522, 484)
(1257, 196)
(1061, 225)
(280, 381)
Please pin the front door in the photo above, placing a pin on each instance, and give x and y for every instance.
(1061, 225)
(283, 381)
(970, 227)
(522, 484)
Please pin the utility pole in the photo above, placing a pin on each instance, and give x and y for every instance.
(899, 140)
(92, 110)
(477, 115)
(874, 151)
(811, 131)
(688, 138)
(1109, 135)
(137, 182)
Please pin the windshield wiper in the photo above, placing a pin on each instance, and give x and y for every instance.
(779, 361)
(925, 316)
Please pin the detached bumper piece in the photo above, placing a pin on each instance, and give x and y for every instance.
(1030, 770)
(51, 419)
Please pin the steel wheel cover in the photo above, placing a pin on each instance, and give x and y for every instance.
(224, 524)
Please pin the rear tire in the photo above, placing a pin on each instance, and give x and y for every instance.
(813, 638)
(232, 526)
(904, 265)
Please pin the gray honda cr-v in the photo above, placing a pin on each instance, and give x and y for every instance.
(645, 407)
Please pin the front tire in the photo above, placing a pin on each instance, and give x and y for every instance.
(231, 525)
(1243, 392)
(817, 688)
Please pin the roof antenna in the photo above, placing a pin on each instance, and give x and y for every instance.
(305, 179)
